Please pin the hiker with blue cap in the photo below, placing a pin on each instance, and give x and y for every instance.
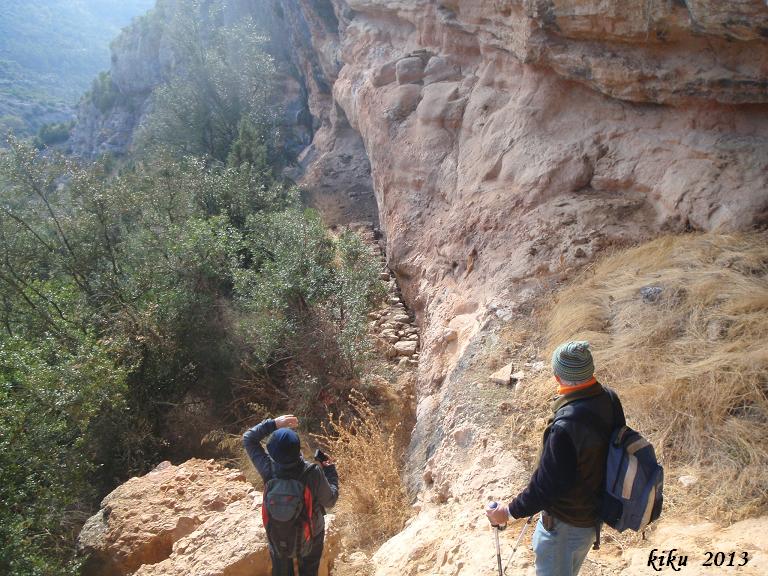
(296, 495)
(568, 484)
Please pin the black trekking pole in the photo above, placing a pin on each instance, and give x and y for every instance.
(519, 539)
(496, 529)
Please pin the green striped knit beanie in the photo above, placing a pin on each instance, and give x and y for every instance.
(572, 361)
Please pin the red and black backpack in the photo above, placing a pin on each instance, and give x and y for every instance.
(287, 514)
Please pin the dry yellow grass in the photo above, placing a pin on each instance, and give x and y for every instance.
(692, 366)
(373, 505)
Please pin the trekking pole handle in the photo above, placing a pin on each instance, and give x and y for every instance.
(493, 506)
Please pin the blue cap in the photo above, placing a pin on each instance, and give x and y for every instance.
(284, 446)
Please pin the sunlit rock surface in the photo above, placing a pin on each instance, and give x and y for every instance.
(195, 518)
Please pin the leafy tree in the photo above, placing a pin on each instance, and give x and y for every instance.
(49, 397)
(50, 134)
(252, 148)
(356, 288)
(103, 93)
(289, 271)
(223, 77)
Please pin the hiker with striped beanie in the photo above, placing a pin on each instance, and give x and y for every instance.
(570, 475)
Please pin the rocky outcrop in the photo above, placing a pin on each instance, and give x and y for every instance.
(662, 51)
(513, 142)
(142, 59)
(196, 518)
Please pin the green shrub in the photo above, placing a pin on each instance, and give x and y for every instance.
(50, 397)
(50, 134)
(219, 92)
(103, 93)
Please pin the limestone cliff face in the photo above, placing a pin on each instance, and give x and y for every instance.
(141, 60)
(510, 141)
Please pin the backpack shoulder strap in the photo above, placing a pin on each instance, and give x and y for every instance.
(308, 469)
(619, 419)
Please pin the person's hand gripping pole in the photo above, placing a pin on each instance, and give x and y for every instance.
(498, 516)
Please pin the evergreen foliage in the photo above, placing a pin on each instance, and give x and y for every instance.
(122, 296)
(103, 93)
(54, 133)
(220, 89)
(187, 275)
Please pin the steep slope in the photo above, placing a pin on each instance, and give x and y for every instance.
(512, 143)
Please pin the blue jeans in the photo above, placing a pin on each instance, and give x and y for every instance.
(561, 551)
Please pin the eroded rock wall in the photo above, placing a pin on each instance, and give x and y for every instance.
(513, 141)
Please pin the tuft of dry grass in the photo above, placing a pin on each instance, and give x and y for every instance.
(690, 362)
(373, 505)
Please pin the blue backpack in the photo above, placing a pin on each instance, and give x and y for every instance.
(634, 482)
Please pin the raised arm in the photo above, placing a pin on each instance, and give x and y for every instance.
(252, 442)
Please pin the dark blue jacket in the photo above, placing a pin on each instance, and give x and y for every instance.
(323, 482)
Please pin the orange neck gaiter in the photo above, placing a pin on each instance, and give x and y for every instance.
(568, 389)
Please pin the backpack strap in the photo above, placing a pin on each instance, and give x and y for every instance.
(308, 502)
(619, 419)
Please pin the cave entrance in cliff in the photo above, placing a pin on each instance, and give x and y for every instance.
(337, 175)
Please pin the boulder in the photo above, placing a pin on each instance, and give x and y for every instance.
(384, 75)
(232, 543)
(502, 376)
(140, 521)
(409, 70)
(402, 102)
(389, 336)
(440, 70)
(195, 518)
(406, 347)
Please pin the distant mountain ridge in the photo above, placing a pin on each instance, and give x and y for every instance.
(50, 51)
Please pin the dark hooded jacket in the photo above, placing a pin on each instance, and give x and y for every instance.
(285, 461)
(569, 480)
